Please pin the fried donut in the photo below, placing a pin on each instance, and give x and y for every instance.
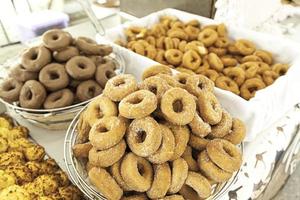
(245, 47)
(82, 150)
(199, 184)
(10, 90)
(185, 70)
(235, 73)
(173, 197)
(222, 30)
(120, 86)
(107, 157)
(83, 129)
(227, 83)
(208, 36)
(105, 183)
(210, 73)
(250, 86)
(104, 72)
(251, 58)
(178, 106)
(115, 171)
(107, 132)
(197, 83)
(228, 61)
(144, 136)
(250, 68)
(161, 181)
(90, 47)
(224, 154)
(177, 33)
(209, 107)
(265, 56)
(173, 56)
(191, 60)
(199, 127)
(280, 69)
(87, 90)
(80, 68)
(156, 69)
(171, 81)
(218, 51)
(269, 77)
(215, 62)
(160, 57)
(222, 42)
(35, 58)
(196, 46)
(56, 39)
(19, 73)
(32, 95)
(54, 77)
(193, 22)
(166, 149)
(182, 45)
(189, 193)
(223, 127)
(137, 172)
(141, 196)
(156, 85)
(188, 157)
(237, 133)
(179, 175)
(198, 143)
(59, 99)
(168, 43)
(192, 32)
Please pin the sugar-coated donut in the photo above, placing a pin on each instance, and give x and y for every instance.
(80, 68)
(10, 90)
(237, 132)
(199, 127)
(171, 81)
(198, 143)
(208, 37)
(179, 174)
(188, 157)
(189, 193)
(209, 107)
(87, 90)
(32, 95)
(103, 73)
(223, 127)
(65, 54)
(156, 85)
(215, 62)
(115, 171)
(235, 73)
(191, 60)
(250, 86)
(156, 69)
(197, 83)
(59, 99)
(90, 47)
(228, 84)
(35, 58)
(173, 56)
(19, 73)
(199, 184)
(245, 47)
(82, 150)
(56, 39)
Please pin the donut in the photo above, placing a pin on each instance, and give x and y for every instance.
(198, 143)
(173, 197)
(10, 90)
(223, 127)
(151, 40)
(269, 77)
(54, 77)
(237, 133)
(171, 81)
(35, 58)
(176, 24)
(137, 172)
(156, 69)
(188, 157)
(208, 36)
(83, 129)
(115, 171)
(218, 51)
(189, 193)
(227, 83)
(100, 107)
(141, 196)
(87, 90)
(150, 52)
(105, 183)
(120, 86)
(222, 30)
(224, 154)
(199, 184)
(80, 68)
(65, 54)
(265, 56)
(173, 56)
(59, 99)
(250, 69)
(236, 74)
(197, 46)
(160, 42)
(251, 58)
(245, 47)
(107, 132)
(179, 174)
(166, 149)
(90, 47)
(197, 83)
(178, 106)
(97, 60)
(19, 73)
(144, 136)
(192, 32)
(104, 72)
(191, 60)
(168, 43)
(250, 86)
(56, 39)
(222, 42)
(107, 157)
(156, 85)
(82, 150)
(209, 107)
(161, 181)
(185, 70)
(177, 33)
(210, 73)
(176, 42)
(215, 62)
(138, 104)
(280, 69)
(32, 95)
(193, 22)
(182, 45)
(228, 61)
(160, 57)
(199, 127)
(262, 67)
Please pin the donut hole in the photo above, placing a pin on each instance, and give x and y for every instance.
(141, 169)
(53, 75)
(140, 136)
(177, 106)
(34, 56)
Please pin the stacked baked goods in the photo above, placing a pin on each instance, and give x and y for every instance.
(234, 65)
(25, 174)
(59, 72)
(166, 137)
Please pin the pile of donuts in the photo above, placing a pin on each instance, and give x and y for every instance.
(25, 173)
(166, 137)
(59, 72)
(234, 65)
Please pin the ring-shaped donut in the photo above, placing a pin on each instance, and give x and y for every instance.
(199, 127)
(35, 58)
(87, 90)
(251, 58)
(56, 39)
(104, 72)
(156, 85)
(19, 73)
(237, 74)
(32, 95)
(10, 90)
(215, 62)
(265, 56)
(171, 81)
(59, 99)
(208, 36)
(210, 73)
(222, 42)
(90, 47)
(192, 32)
(209, 107)
(80, 68)
(156, 69)
(245, 47)
(115, 171)
(229, 61)
(197, 83)
(250, 69)
(280, 69)
(198, 143)
(191, 60)
(65, 54)
(199, 184)
(173, 56)
(223, 127)
(179, 175)
(269, 77)
(227, 83)
(237, 132)
(250, 86)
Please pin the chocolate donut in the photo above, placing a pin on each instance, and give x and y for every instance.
(97, 59)
(87, 90)
(90, 47)
(56, 39)
(65, 54)
(59, 99)
(21, 74)
(80, 68)
(35, 58)
(54, 77)
(103, 73)
(33, 95)
(10, 90)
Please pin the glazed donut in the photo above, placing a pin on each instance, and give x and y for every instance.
(54, 77)
(32, 95)
(215, 62)
(251, 58)
(177, 33)
(235, 73)
(120, 86)
(104, 72)
(188, 157)
(191, 60)
(173, 197)
(245, 47)
(265, 56)
(250, 86)
(209, 107)
(59, 99)
(87, 90)
(199, 184)
(224, 154)
(192, 32)
(107, 157)
(222, 42)
(208, 36)
(218, 51)
(82, 150)
(161, 181)
(269, 77)
(80, 68)
(83, 129)
(178, 106)
(179, 174)
(100, 107)
(211, 170)
(227, 83)
(65, 54)
(56, 39)
(198, 143)
(166, 149)
(199, 127)
(35, 58)
(19, 73)
(160, 57)
(138, 104)
(144, 136)
(156, 69)
(107, 132)
(10, 90)
(280, 69)
(156, 85)
(229, 61)
(137, 172)
(223, 127)
(105, 183)
(173, 56)
(115, 171)
(90, 47)
(197, 83)
(237, 132)
(222, 30)
(210, 73)
(250, 69)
